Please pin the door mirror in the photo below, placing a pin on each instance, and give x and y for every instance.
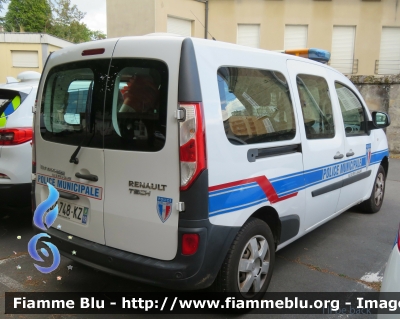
(380, 119)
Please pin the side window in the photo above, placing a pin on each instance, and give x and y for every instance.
(352, 110)
(73, 103)
(256, 106)
(136, 107)
(316, 106)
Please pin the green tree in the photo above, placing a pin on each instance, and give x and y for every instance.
(67, 23)
(97, 35)
(28, 16)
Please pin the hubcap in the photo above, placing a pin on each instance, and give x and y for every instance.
(253, 265)
(379, 188)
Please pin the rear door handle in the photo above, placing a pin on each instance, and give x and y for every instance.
(89, 177)
(68, 195)
(338, 156)
(351, 153)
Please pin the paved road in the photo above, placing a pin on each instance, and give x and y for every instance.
(348, 253)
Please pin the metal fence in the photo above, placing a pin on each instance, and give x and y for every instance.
(346, 66)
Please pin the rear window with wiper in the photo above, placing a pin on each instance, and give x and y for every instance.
(9, 101)
(86, 105)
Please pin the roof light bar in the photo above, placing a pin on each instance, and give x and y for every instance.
(318, 55)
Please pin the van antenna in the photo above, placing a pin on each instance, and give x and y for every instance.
(203, 25)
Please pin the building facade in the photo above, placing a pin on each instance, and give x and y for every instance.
(26, 52)
(363, 36)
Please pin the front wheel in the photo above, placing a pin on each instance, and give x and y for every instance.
(248, 266)
(373, 204)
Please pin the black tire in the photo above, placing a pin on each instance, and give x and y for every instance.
(230, 279)
(373, 204)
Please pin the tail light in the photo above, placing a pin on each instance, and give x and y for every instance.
(190, 244)
(15, 136)
(192, 149)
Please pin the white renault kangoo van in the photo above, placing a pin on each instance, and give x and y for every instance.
(184, 162)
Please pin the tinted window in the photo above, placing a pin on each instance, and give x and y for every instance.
(256, 105)
(136, 108)
(73, 103)
(352, 110)
(316, 106)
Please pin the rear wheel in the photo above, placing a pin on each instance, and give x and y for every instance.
(248, 266)
(373, 204)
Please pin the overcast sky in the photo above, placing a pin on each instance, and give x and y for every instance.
(95, 10)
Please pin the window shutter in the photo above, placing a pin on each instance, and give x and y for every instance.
(389, 56)
(249, 35)
(342, 55)
(25, 59)
(179, 26)
(295, 36)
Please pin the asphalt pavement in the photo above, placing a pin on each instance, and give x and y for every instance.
(347, 254)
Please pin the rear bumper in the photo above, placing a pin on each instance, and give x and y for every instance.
(15, 194)
(197, 271)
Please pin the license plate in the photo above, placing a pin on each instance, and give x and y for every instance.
(75, 213)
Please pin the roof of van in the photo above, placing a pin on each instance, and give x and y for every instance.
(199, 42)
(228, 45)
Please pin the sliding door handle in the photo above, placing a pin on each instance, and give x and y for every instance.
(89, 177)
(338, 156)
(351, 153)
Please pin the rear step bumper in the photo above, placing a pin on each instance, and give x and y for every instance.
(197, 271)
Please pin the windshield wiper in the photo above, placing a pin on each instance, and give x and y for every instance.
(73, 158)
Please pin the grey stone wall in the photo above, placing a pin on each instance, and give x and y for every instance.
(382, 93)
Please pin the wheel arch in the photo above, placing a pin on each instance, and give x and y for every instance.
(385, 165)
(270, 216)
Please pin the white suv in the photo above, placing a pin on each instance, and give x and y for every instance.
(16, 100)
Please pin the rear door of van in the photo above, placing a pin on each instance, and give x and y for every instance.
(69, 138)
(141, 147)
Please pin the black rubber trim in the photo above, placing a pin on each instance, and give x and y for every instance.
(327, 189)
(189, 81)
(88, 177)
(290, 226)
(356, 178)
(340, 184)
(254, 154)
(196, 199)
(197, 271)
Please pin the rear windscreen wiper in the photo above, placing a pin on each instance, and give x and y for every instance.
(89, 123)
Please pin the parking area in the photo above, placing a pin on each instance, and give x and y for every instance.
(348, 253)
